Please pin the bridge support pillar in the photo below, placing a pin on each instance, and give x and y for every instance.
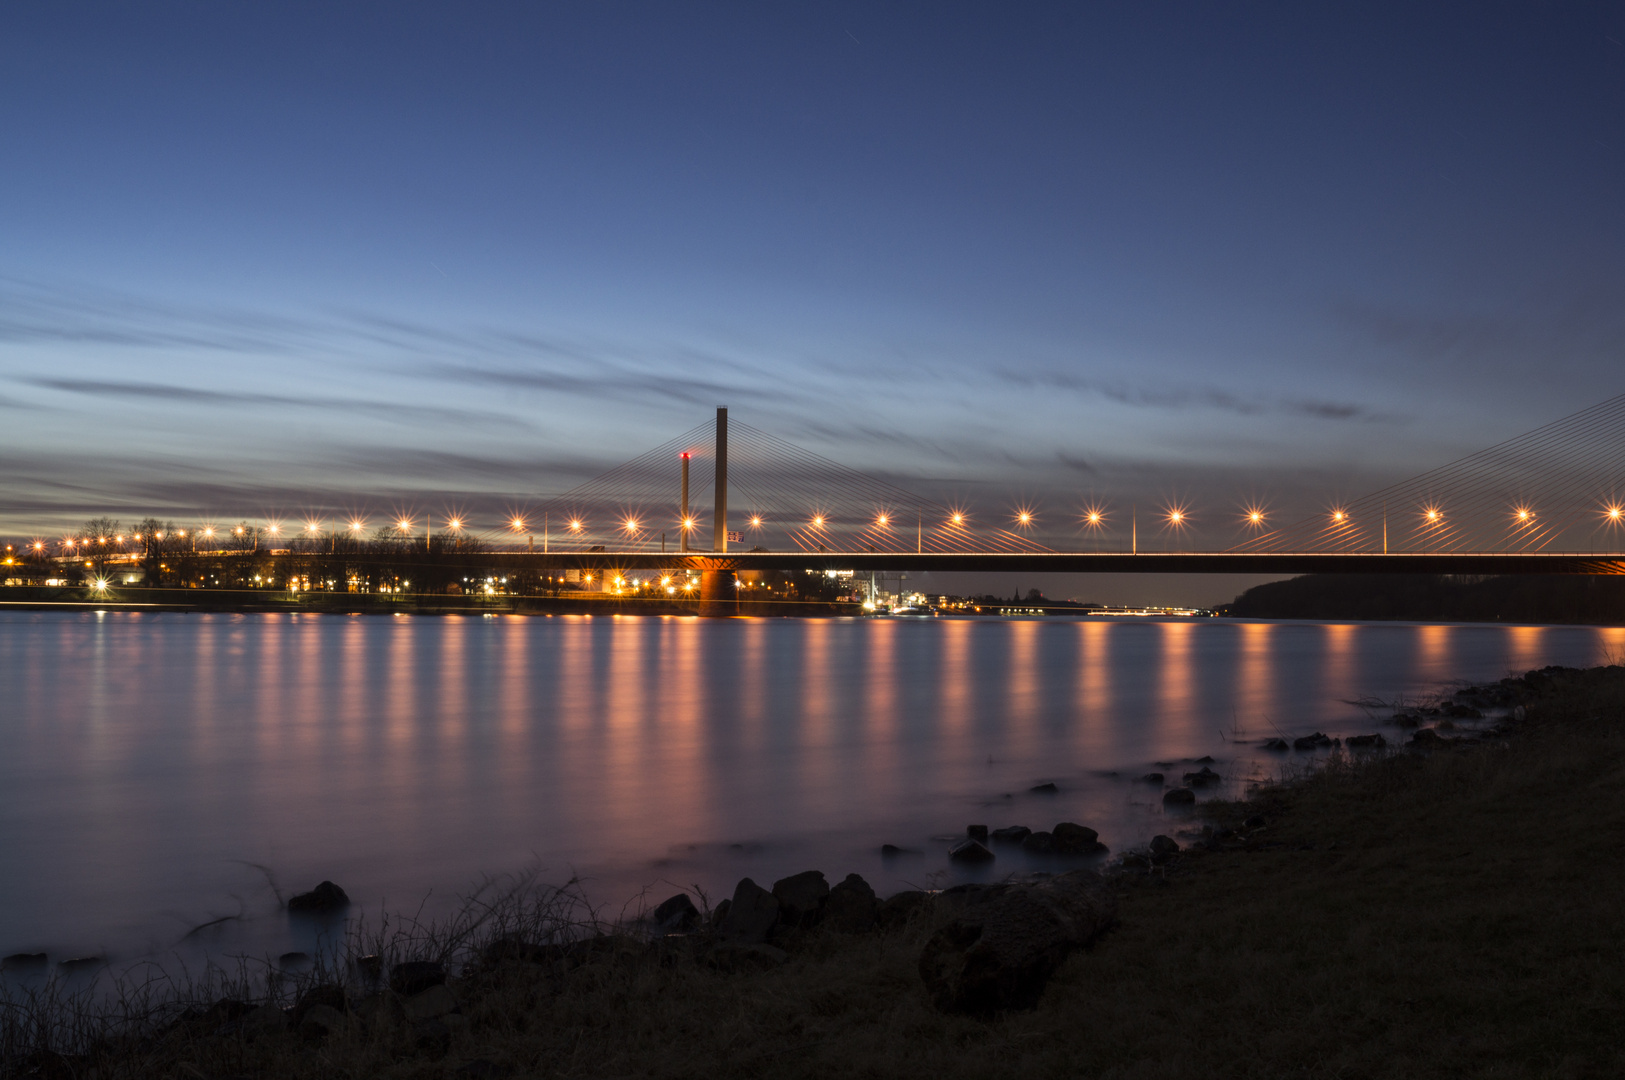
(719, 592)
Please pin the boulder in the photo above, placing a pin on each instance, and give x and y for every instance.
(265, 1020)
(969, 851)
(1073, 839)
(416, 976)
(1316, 741)
(322, 1022)
(977, 833)
(1152, 778)
(1178, 796)
(1366, 742)
(1406, 720)
(896, 910)
(1205, 759)
(746, 955)
(1010, 834)
(1040, 842)
(1202, 779)
(890, 850)
(380, 1011)
(801, 898)
(1257, 821)
(1044, 789)
(751, 914)
(676, 915)
(1427, 737)
(1458, 711)
(1277, 744)
(22, 961)
(431, 1004)
(1163, 846)
(1000, 954)
(326, 897)
(851, 907)
(329, 994)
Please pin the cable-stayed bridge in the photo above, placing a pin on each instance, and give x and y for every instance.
(727, 496)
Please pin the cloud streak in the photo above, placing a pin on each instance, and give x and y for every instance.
(186, 395)
(1192, 397)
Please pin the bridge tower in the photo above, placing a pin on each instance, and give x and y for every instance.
(719, 588)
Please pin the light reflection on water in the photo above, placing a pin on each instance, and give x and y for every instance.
(150, 763)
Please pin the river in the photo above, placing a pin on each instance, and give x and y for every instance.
(161, 771)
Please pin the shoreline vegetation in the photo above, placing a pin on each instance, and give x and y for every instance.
(1449, 907)
(1581, 599)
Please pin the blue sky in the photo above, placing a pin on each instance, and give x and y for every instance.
(274, 256)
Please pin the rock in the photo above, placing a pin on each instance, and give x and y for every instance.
(22, 961)
(851, 907)
(1366, 742)
(329, 994)
(293, 959)
(1316, 741)
(896, 910)
(1255, 822)
(323, 898)
(676, 915)
(415, 976)
(432, 1003)
(969, 851)
(1010, 834)
(1152, 778)
(1164, 846)
(370, 967)
(83, 963)
(1040, 842)
(265, 1020)
(1000, 954)
(322, 1022)
(1277, 744)
(1073, 839)
(381, 1010)
(741, 955)
(1427, 737)
(890, 850)
(977, 833)
(1458, 711)
(1202, 779)
(720, 912)
(1406, 720)
(751, 914)
(1044, 789)
(801, 898)
(1178, 796)
(1205, 759)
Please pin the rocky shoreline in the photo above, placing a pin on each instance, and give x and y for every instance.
(984, 952)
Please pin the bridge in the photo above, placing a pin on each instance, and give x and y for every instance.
(726, 498)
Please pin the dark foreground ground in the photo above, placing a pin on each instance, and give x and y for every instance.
(1451, 911)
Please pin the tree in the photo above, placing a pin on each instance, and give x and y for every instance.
(98, 542)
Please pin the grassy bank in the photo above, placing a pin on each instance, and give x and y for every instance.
(1449, 913)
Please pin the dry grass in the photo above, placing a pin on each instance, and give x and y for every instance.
(1454, 914)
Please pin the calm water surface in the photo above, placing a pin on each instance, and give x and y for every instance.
(161, 771)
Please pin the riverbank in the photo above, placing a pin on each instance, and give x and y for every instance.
(1440, 911)
(1578, 599)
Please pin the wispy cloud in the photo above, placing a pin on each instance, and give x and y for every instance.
(1187, 397)
(142, 391)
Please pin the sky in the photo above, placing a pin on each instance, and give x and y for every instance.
(346, 258)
